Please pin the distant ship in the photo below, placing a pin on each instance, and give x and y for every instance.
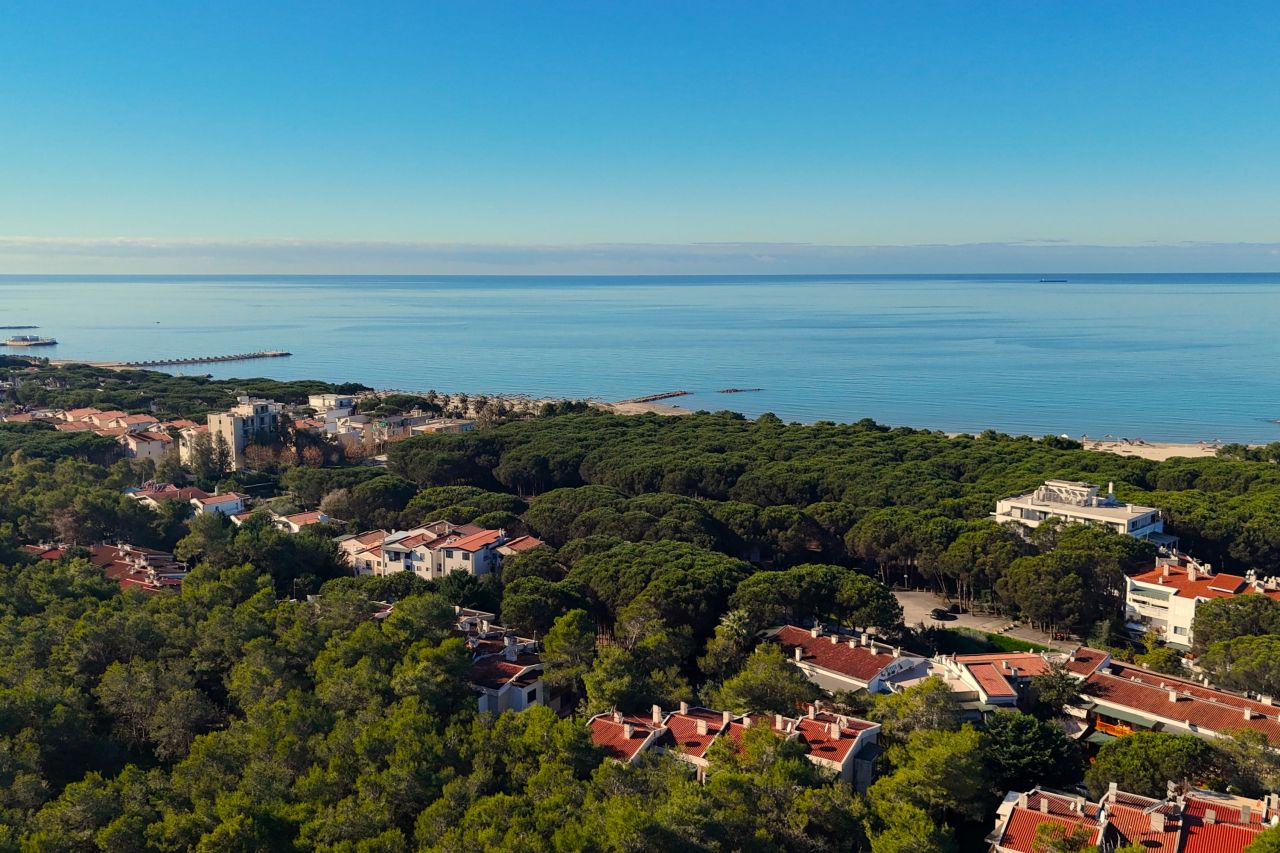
(29, 341)
(1053, 281)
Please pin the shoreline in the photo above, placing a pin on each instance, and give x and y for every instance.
(1155, 451)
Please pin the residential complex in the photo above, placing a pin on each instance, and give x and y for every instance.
(1079, 503)
(131, 566)
(430, 551)
(1192, 822)
(854, 661)
(506, 672)
(1164, 600)
(836, 742)
(250, 420)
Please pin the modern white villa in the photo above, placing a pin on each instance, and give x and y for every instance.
(1080, 503)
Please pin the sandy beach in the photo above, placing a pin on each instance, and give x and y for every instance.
(1156, 451)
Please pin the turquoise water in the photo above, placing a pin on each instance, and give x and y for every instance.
(1174, 357)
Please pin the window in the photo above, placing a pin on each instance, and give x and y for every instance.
(393, 555)
(531, 697)
(1178, 629)
(466, 555)
(448, 554)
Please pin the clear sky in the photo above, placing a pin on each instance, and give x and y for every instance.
(404, 136)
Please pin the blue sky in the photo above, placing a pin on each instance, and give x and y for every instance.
(383, 136)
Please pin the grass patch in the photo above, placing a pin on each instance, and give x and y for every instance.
(968, 641)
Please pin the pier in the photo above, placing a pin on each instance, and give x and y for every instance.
(206, 359)
(651, 398)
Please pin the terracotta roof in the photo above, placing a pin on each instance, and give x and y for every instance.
(495, 671)
(180, 423)
(992, 682)
(54, 552)
(20, 418)
(817, 733)
(1132, 816)
(302, 519)
(139, 419)
(610, 735)
(1178, 583)
(225, 497)
(523, 543)
(474, 542)
(1217, 711)
(168, 492)
(73, 426)
(1020, 833)
(75, 414)
(858, 662)
(682, 731)
(1085, 661)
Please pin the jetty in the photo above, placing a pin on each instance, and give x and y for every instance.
(206, 359)
(738, 390)
(651, 398)
(8, 328)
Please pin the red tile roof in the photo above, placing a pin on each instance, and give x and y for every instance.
(682, 731)
(474, 542)
(1178, 582)
(1139, 690)
(1020, 831)
(495, 671)
(991, 681)
(822, 744)
(52, 553)
(610, 735)
(523, 543)
(1085, 661)
(302, 519)
(225, 497)
(1132, 816)
(858, 662)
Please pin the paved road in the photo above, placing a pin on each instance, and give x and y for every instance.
(916, 607)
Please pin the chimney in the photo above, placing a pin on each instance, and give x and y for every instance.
(746, 721)
(834, 731)
(511, 652)
(815, 632)
(799, 653)
(628, 731)
(1165, 571)
(617, 716)
(853, 643)
(777, 722)
(655, 715)
(725, 717)
(1266, 700)
(1191, 573)
(702, 726)
(835, 640)
(1210, 816)
(1246, 813)
(1112, 790)
(1157, 821)
(897, 652)
(1044, 804)
(1248, 713)
(813, 711)
(866, 639)
(684, 707)
(1173, 695)
(1022, 800)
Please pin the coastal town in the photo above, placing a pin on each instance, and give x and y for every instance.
(326, 488)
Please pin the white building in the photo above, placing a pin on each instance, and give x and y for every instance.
(249, 420)
(838, 662)
(147, 445)
(431, 551)
(506, 672)
(1079, 503)
(228, 503)
(1164, 600)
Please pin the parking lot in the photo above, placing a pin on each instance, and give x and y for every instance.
(915, 611)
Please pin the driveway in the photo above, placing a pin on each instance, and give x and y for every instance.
(916, 607)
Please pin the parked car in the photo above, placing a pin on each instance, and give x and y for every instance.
(941, 614)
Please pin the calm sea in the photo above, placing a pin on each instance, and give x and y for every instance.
(1175, 357)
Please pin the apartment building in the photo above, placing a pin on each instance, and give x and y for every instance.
(250, 420)
(1164, 600)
